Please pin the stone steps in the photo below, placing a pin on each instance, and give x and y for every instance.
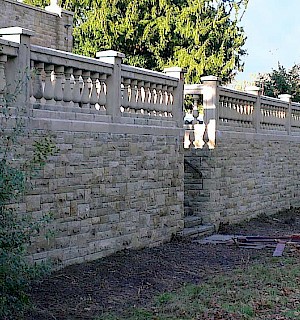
(192, 221)
(193, 228)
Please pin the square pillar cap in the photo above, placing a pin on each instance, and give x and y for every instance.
(174, 69)
(252, 88)
(15, 31)
(285, 97)
(110, 54)
(211, 78)
(54, 7)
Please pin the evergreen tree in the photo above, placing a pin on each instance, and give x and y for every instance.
(202, 36)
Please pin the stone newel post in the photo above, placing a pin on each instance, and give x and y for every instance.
(178, 113)
(114, 96)
(210, 108)
(18, 77)
(287, 98)
(256, 112)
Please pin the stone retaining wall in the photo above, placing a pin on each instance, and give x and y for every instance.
(247, 174)
(107, 192)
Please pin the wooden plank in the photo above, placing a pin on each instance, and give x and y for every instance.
(279, 249)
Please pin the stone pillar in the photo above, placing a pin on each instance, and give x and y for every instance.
(256, 112)
(210, 108)
(287, 98)
(178, 111)
(113, 82)
(18, 77)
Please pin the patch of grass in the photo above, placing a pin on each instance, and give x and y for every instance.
(269, 291)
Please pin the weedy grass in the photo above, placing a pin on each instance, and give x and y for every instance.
(269, 291)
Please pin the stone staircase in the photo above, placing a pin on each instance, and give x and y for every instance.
(193, 225)
(194, 228)
(195, 196)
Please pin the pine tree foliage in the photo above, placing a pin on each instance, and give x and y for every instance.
(202, 36)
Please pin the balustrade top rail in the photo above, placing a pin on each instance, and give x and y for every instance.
(67, 60)
(59, 82)
(8, 48)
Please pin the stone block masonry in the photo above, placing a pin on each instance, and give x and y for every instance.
(108, 192)
(50, 29)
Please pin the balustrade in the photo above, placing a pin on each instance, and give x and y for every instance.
(147, 94)
(79, 83)
(8, 51)
(227, 109)
(295, 116)
(235, 109)
(273, 114)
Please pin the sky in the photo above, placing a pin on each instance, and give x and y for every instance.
(272, 28)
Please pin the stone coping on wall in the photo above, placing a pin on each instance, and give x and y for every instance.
(55, 125)
(266, 135)
(28, 6)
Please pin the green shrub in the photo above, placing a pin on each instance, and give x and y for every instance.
(17, 228)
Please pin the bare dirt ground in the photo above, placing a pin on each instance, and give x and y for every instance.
(133, 278)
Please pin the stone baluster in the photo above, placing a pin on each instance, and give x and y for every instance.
(37, 83)
(221, 108)
(94, 94)
(126, 94)
(159, 104)
(3, 60)
(195, 108)
(239, 110)
(170, 104)
(133, 97)
(226, 109)
(140, 98)
(153, 99)
(58, 88)
(77, 88)
(68, 94)
(85, 98)
(235, 104)
(49, 88)
(102, 93)
(165, 98)
(147, 97)
(187, 141)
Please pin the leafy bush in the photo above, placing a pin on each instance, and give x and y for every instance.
(17, 228)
